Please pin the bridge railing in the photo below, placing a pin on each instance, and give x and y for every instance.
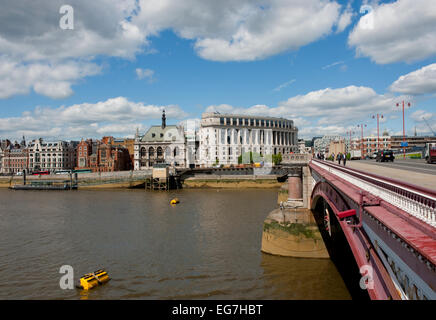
(418, 202)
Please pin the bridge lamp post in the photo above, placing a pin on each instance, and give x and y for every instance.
(404, 129)
(350, 132)
(361, 141)
(378, 132)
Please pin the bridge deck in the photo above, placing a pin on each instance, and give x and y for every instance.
(418, 234)
(399, 215)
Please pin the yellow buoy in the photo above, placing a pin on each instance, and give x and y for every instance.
(174, 201)
(92, 280)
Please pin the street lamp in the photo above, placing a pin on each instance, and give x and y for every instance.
(361, 143)
(404, 130)
(350, 132)
(378, 132)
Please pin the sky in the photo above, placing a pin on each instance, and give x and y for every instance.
(107, 67)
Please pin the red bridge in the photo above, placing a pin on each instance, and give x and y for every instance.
(389, 226)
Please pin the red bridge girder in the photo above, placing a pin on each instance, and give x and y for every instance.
(383, 218)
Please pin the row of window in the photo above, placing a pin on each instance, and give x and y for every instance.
(255, 122)
(258, 136)
(159, 152)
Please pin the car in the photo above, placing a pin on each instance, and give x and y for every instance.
(385, 155)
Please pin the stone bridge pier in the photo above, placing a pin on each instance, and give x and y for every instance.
(299, 188)
(291, 230)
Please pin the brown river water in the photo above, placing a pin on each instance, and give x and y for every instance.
(206, 247)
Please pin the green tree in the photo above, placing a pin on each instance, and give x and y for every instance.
(277, 158)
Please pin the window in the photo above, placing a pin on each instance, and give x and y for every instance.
(257, 122)
(159, 152)
(251, 122)
(240, 121)
(221, 121)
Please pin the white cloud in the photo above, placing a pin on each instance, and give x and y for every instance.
(225, 30)
(242, 30)
(332, 64)
(52, 80)
(145, 74)
(417, 82)
(115, 116)
(284, 85)
(421, 115)
(31, 30)
(404, 30)
(345, 19)
(35, 53)
(329, 108)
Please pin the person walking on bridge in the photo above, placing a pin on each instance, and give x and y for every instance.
(339, 158)
(344, 158)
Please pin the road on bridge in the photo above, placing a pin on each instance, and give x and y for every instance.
(416, 172)
(415, 165)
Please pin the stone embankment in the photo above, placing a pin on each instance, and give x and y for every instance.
(95, 180)
(232, 181)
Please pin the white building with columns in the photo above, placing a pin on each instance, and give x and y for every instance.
(224, 137)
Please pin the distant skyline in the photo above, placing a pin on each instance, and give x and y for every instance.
(324, 64)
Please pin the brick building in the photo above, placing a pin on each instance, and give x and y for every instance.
(102, 156)
(369, 144)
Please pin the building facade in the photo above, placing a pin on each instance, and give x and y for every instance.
(14, 158)
(160, 144)
(102, 156)
(3, 145)
(224, 137)
(52, 155)
(370, 144)
(412, 142)
(321, 145)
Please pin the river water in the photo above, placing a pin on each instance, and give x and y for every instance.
(206, 247)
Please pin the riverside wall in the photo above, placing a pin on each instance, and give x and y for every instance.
(94, 180)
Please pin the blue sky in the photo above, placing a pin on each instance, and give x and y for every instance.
(320, 67)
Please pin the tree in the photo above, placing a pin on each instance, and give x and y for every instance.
(277, 158)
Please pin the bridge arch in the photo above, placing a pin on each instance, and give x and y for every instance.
(335, 199)
(326, 203)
